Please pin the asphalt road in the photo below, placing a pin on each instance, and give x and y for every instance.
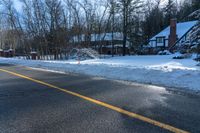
(29, 106)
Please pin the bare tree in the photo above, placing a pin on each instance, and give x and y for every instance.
(13, 29)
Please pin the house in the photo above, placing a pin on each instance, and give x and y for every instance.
(175, 34)
(103, 42)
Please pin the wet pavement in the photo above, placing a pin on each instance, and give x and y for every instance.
(26, 106)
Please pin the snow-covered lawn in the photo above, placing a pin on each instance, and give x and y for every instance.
(158, 70)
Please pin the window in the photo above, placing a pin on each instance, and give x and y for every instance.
(160, 39)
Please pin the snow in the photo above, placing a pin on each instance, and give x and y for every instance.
(33, 52)
(103, 36)
(107, 36)
(182, 28)
(155, 69)
(115, 45)
(165, 52)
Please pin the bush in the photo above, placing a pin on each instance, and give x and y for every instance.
(197, 58)
(183, 56)
(178, 57)
(165, 52)
(198, 49)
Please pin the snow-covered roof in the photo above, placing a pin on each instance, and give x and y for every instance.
(33, 52)
(182, 28)
(116, 45)
(102, 36)
(107, 36)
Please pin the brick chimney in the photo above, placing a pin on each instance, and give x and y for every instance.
(172, 35)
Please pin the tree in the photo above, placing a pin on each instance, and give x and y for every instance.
(195, 35)
(113, 11)
(128, 8)
(154, 20)
(12, 29)
(75, 22)
(54, 10)
(170, 11)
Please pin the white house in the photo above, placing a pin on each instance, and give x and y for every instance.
(173, 34)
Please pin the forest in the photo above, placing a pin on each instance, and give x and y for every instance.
(48, 26)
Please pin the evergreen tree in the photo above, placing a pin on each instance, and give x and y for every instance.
(154, 20)
(170, 11)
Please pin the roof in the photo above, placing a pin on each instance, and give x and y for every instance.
(102, 36)
(182, 28)
(116, 45)
(107, 36)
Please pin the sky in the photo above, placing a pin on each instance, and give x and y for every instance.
(18, 4)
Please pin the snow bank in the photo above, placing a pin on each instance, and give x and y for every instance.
(158, 70)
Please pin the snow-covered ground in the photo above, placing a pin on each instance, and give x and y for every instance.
(158, 70)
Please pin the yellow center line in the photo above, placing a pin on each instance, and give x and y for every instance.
(117, 109)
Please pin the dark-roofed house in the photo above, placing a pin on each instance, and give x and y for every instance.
(176, 33)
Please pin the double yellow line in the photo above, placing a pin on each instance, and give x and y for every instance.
(103, 104)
